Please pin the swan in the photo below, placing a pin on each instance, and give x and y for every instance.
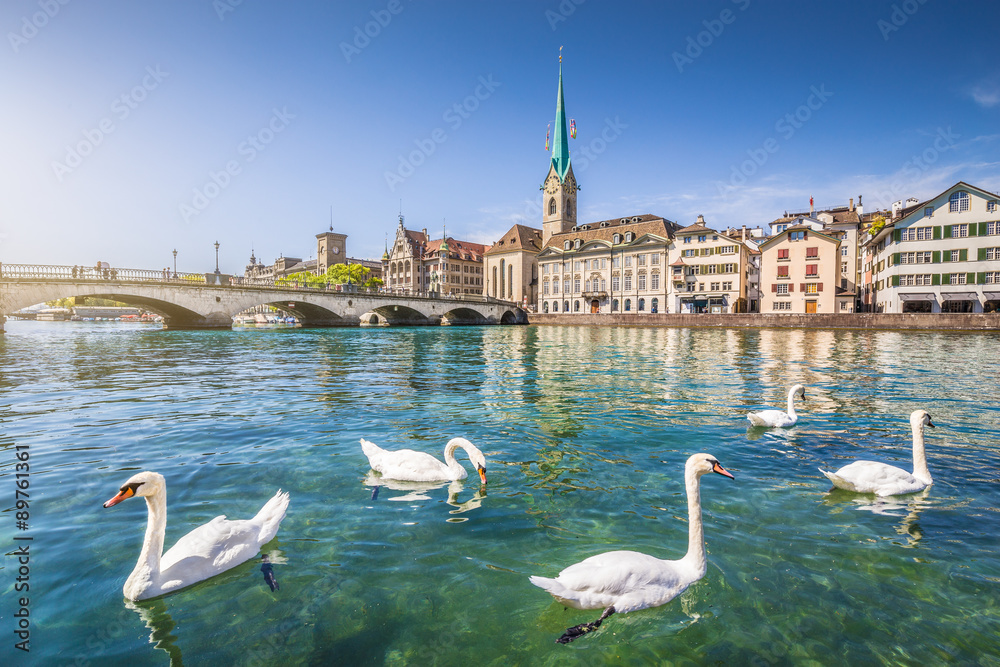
(624, 581)
(777, 418)
(206, 551)
(413, 466)
(883, 479)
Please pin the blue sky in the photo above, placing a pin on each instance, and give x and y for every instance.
(133, 128)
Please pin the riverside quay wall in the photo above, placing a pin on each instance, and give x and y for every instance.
(909, 321)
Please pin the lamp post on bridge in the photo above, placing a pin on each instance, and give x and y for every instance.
(217, 257)
(175, 263)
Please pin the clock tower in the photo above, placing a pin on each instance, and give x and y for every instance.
(331, 248)
(560, 187)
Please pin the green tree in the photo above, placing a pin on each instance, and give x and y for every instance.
(877, 226)
(338, 274)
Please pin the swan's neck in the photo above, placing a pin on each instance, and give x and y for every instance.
(920, 470)
(449, 456)
(156, 528)
(791, 403)
(696, 533)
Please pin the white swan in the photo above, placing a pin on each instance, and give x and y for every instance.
(886, 480)
(413, 466)
(206, 551)
(777, 418)
(624, 581)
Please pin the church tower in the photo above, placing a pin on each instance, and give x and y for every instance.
(560, 188)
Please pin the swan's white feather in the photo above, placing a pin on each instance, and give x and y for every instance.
(414, 466)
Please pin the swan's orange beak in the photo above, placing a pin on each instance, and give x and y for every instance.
(482, 474)
(722, 471)
(126, 492)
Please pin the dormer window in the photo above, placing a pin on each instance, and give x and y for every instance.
(928, 211)
(566, 245)
(577, 244)
(617, 239)
(628, 237)
(991, 206)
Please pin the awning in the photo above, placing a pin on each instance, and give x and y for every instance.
(917, 296)
(991, 296)
(959, 296)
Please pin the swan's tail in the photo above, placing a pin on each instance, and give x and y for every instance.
(754, 419)
(838, 481)
(550, 585)
(372, 451)
(270, 515)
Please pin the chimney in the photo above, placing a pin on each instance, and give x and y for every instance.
(701, 220)
(425, 233)
(743, 233)
(850, 205)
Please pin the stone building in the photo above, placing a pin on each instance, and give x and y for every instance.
(800, 273)
(709, 271)
(511, 266)
(416, 264)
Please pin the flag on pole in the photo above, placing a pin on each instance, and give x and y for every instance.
(547, 130)
(572, 128)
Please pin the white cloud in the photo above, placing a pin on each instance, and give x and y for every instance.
(986, 95)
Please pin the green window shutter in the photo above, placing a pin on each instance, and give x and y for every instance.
(982, 254)
(947, 231)
(963, 255)
(981, 278)
(945, 278)
(936, 257)
(970, 278)
(972, 229)
(897, 235)
(895, 258)
(982, 229)
(937, 233)
(895, 281)
(935, 279)
(945, 256)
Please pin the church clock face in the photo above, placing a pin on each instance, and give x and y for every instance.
(551, 184)
(335, 250)
(571, 185)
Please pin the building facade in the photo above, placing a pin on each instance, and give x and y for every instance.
(941, 255)
(416, 264)
(800, 273)
(709, 271)
(511, 266)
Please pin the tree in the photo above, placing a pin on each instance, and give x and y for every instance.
(338, 274)
(877, 226)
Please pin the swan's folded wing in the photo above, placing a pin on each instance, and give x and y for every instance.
(874, 477)
(617, 573)
(216, 545)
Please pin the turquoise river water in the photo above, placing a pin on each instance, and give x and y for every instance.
(586, 431)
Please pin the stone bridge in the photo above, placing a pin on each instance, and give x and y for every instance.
(210, 301)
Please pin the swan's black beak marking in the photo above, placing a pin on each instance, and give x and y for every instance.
(482, 474)
(127, 491)
(716, 467)
(929, 422)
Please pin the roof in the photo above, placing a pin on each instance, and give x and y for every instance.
(806, 228)
(518, 237)
(560, 141)
(457, 249)
(606, 229)
(695, 228)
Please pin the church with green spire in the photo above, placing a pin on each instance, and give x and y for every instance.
(560, 187)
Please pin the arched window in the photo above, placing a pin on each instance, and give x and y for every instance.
(555, 306)
(503, 264)
(576, 306)
(569, 209)
(494, 281)
(552, 206)
(578, 243)
(545, 306)
(566, 245)
(628, 305)
(655, 308)
(406, 267)
(642, 305)
(565, 306)
(510, 281)
(614, 306)
(958, 202)
(628, 237)
(617, 239)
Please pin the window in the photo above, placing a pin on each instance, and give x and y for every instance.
(812, 252)
(690, 252)
(615, 283)
(655, 258)
(782, 289)
(702, 238)
(545, 306)
(628, 281)
(642, 282)
(555, 306)
(812, 288)
(812, 270)
(957, 279)
(642, 305)
(727, 286)
(797, 236)
(576, 306)
(641, 259)
(993, 228)
(843, 251)
(991, 206)
(713, 287)
(616, 262)
(959, 231)
(843, 305)
(955, 255)
(917, 234)
(565, 306)
(577, 265)
(566, 245)
(577, 244)
(576, 286)
(628, 260)
(782, 271)
(928, 211)
(687, 239)
(654, 281)
(992, 253)
(710, 269)
(701, 287)
(628, 305)
(729, 268)
(614, 306)
(727, 249)
(958, 202)
(552, 206)
(545, 287)
(655, 306)
(555, 286)
(782, 253)
(604, 263)
(782, 305)
(992, 277)
(593, 264)
(843, 267)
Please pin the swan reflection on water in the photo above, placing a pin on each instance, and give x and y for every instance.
(908, 507)
(420, 491)
(155, 616)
